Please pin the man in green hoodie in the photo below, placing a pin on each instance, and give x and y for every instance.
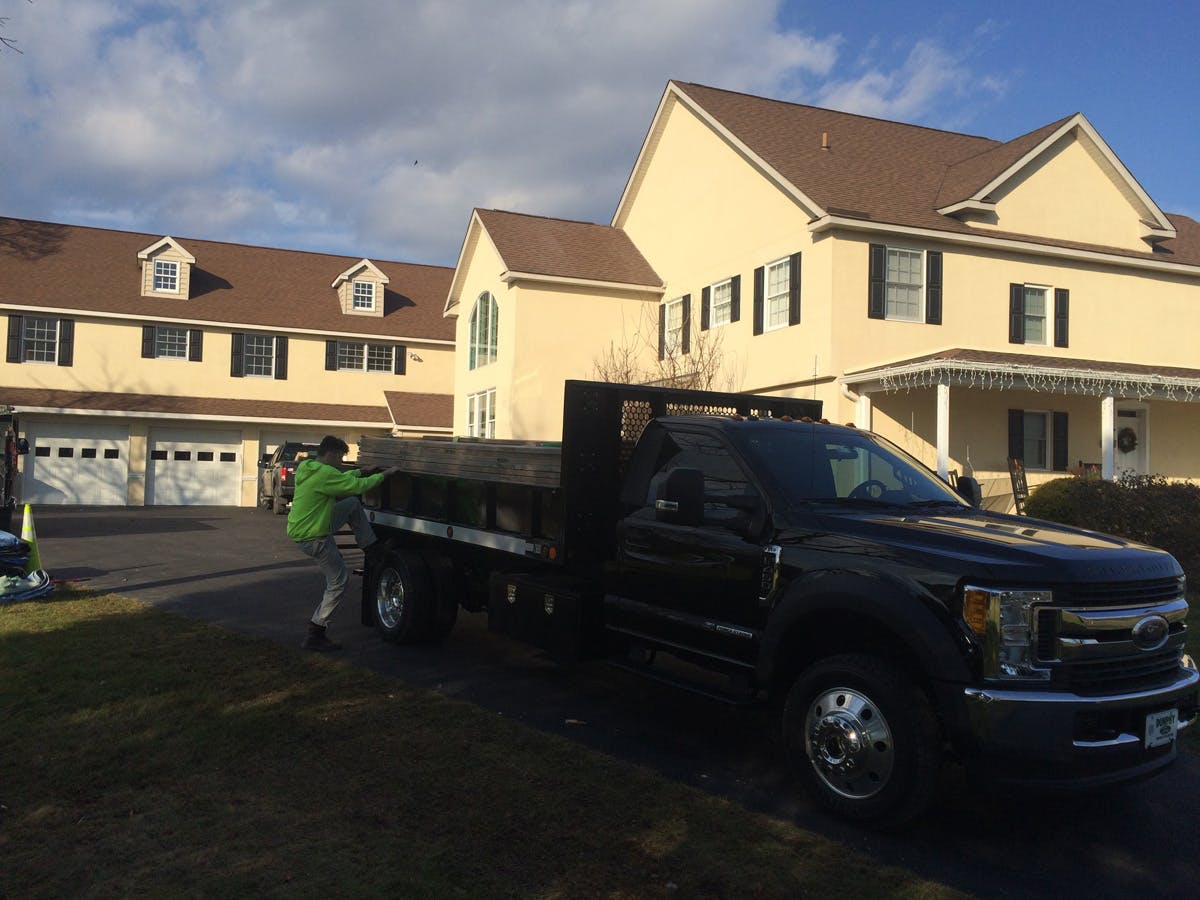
(326, 498)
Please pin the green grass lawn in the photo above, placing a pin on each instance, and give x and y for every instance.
(146, 754)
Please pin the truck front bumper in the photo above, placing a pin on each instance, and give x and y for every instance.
(1068, 740)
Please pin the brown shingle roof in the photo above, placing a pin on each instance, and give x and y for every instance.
(889, 172)
(566, 249)
(429, 410)
(97, 270)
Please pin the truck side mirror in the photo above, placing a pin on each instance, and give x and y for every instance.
(679, 496)
(22, 446)
(266, 458)
(970, 490)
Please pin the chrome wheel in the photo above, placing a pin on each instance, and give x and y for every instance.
(389, 599)
(849, 743)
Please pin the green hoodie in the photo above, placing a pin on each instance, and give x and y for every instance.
(318, 487)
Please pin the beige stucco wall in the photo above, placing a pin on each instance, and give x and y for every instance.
(1070, 192)
(98, 342)
(702, 213)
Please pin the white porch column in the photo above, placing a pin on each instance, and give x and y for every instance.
(862, 411)
(1108, 418)
(943, 430)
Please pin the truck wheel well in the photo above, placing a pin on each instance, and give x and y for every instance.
(832, 633)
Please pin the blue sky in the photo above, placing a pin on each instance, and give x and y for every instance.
(372, 128)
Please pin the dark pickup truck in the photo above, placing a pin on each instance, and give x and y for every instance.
(894, 623)
(277, 474)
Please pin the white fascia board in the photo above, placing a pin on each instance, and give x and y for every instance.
(828, 223)
(1080, 121)
(510, 277)
(983, 206)
(674, 91)
(233, 326)
(198, 417)
(474, 227)
(363, 263)
(170, 242)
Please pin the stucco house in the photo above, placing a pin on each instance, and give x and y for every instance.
(154, 370)
(974, 300)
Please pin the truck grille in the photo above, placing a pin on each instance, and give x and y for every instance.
(1146, 671)
(1088, 641)
(1128, 593)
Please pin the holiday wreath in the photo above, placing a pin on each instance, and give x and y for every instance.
(1127, 440)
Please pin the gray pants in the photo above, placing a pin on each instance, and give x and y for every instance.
(324, 550)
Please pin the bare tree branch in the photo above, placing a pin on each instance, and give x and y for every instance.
(634, 360)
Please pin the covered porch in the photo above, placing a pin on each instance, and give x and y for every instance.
(969, 412)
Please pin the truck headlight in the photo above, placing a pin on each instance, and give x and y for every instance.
(1004, 622)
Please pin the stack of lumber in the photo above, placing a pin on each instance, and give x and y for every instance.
(512, 462)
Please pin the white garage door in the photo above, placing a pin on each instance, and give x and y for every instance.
(72, 462)
(194, 467)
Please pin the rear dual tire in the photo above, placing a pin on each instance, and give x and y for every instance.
(405, 602)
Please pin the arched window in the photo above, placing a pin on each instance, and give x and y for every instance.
(484, 326)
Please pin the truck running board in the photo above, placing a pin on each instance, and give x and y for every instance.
(743, 698)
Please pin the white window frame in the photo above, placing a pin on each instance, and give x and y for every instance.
(673, 331)
(1047, 293)
(481, 414)
(50, 325)
(889, 284)
(484, 331)
(167, 274)
(159, 333)
(777, 304)
(363, 295)
(720, 313)
(1047, 419)
(362, 351)
(249, 368)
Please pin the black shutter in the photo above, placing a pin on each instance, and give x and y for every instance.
(195, 344)
(1062, 304)
(735, 298)
(14, 339)
(1016, 434)
(705, 303)
(933, 287)
(66, 342)
(759, 277)
(399, 359)
(148, 333)
(331, 356)
(662, 332)
(281, 348)
(235, 355)
(1060, 441)
(794, 289)
(1016, 313)
(685, 342)
(876, 282)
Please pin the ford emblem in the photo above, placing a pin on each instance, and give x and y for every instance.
(1151, 633)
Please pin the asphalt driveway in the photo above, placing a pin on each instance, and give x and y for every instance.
(236, 568)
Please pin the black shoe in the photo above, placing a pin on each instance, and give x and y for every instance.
(316, 639)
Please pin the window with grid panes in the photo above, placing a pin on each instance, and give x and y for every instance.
(166, 275)
(364, 295)
(259, 354)
(170, 342)
(721, 311)
(778, 287)
(1035, 315)
(39, 339)
(905, 280)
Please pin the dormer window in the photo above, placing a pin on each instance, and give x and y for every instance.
(166, 276)
(166, 269)
(364, 295)
(362, 289)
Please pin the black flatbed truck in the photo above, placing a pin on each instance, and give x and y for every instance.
(812, 565)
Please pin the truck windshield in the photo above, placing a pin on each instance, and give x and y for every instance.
(823, 464)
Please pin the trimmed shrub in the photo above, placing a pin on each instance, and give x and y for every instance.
(1145, 508)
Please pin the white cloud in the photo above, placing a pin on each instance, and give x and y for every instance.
(296, 123)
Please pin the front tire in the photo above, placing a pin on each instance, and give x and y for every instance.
(863, 739)
(401, 597)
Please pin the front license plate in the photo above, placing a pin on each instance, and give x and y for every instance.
(1161, 727)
